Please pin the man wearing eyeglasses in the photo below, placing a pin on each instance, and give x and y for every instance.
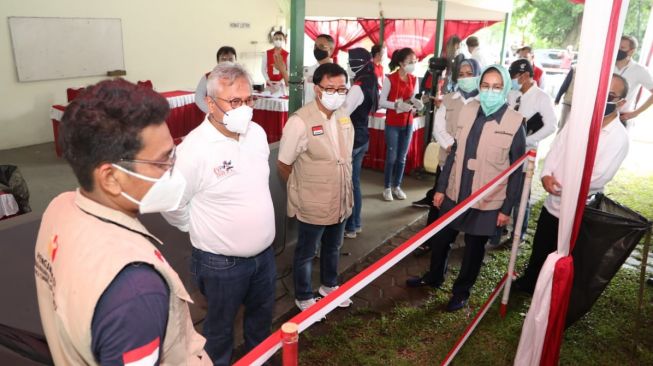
(315, 158)
(227, 209)
(106, 294)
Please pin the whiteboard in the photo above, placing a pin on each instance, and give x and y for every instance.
(60, 48)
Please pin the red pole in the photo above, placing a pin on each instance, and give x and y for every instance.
(290, 339)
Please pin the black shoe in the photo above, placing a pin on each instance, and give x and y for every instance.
(423, 203)
(456, 302)
(519, 285)
(420, 282)
(421, 250)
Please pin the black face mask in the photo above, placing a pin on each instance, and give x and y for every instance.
(320, 54)
(609, 108)
(621, 55)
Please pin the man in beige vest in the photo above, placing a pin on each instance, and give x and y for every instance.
(315, 159)
(106, 294)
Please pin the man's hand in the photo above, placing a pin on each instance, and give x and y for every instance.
(437, 199)
(502, 220)
(551, 185)
(628, 115)
(279, 64)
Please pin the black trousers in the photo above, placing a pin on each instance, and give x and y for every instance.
(544, 242)
(471, 265)
(434, 212)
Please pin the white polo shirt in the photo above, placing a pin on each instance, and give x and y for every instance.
(610, 153)
(636, 75)
(535, 100)
(227, 206)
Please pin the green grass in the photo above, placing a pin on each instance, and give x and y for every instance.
(613, 333)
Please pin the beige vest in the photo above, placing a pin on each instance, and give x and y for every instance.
(453, 108)
(491, 154)
(77, 256)
(569, 94)
(320, 187)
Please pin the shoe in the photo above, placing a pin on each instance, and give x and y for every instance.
(399, 193)
(456, 303)
(422, 250)
(423, 203)
(350, 234)
(325, 290)
(304, 304)
(387, 194)
(415, 282)
(359, 230)
(520, 286)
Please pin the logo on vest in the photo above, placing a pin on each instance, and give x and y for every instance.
(344, 120)
(224, 169)
(317, 130)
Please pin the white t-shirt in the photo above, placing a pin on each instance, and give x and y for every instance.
(611, 152)
(535, 100)
(637, 76)
(227, 206)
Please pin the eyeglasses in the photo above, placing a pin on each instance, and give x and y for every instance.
(331, 91)
(227, 59)
(493, 88)
(169, 164)
(237, 102)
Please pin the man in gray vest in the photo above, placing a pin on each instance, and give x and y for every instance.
(315, 159)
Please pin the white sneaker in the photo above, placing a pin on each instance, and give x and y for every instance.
(325, 290)
(304, 304)
(359, 230)
(350, 234)
(399, 193)
(387, 194)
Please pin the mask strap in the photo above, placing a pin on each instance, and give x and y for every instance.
(130, 198)
(134, 174)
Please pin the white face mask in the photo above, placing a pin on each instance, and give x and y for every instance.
(409, 68)
(333, 101)
(164, 195)
(278, 43)
(237, 120)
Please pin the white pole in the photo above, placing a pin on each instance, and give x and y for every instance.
(516, 239)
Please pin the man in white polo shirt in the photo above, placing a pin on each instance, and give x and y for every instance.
(610, 153)
(227, 208)
(636, 75)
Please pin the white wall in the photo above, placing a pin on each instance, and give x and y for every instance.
(172, 43)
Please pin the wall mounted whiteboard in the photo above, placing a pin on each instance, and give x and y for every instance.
(59, 48)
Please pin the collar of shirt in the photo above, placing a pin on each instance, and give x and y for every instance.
(211, 134)
(91, 207)
(611, 126)
(622, 70)
(458, 95)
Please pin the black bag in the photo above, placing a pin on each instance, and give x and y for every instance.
(534, 124)
(608, 234)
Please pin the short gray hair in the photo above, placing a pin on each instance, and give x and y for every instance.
(228, 72)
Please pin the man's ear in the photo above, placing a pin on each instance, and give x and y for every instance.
(621, 102)
(104, 178)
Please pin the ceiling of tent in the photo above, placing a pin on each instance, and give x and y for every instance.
(409, 9)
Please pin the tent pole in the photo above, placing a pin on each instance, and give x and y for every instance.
(506, 25)
(439, 30)
(381, 28)
(297, 15)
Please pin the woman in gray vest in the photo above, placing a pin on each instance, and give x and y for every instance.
(489, 138)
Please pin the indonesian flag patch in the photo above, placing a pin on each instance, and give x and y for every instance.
(146, 355)
(317, 130)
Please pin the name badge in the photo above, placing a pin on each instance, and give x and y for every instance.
(317, 130)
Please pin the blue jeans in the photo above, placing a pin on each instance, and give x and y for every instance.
(227, 283)
(397, 140)
(354, 221)
(308, 236)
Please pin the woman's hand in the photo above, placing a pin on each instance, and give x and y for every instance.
(502, 220)
(437, 199)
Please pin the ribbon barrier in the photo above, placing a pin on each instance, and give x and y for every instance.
(266, 349)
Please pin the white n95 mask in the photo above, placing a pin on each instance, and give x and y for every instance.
(333, 101)
(164, 195)
(237, 120)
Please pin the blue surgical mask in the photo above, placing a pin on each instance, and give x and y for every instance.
(515, 84)
(491, 101)
(468, 85)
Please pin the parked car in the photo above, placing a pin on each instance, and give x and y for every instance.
(552, 59)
